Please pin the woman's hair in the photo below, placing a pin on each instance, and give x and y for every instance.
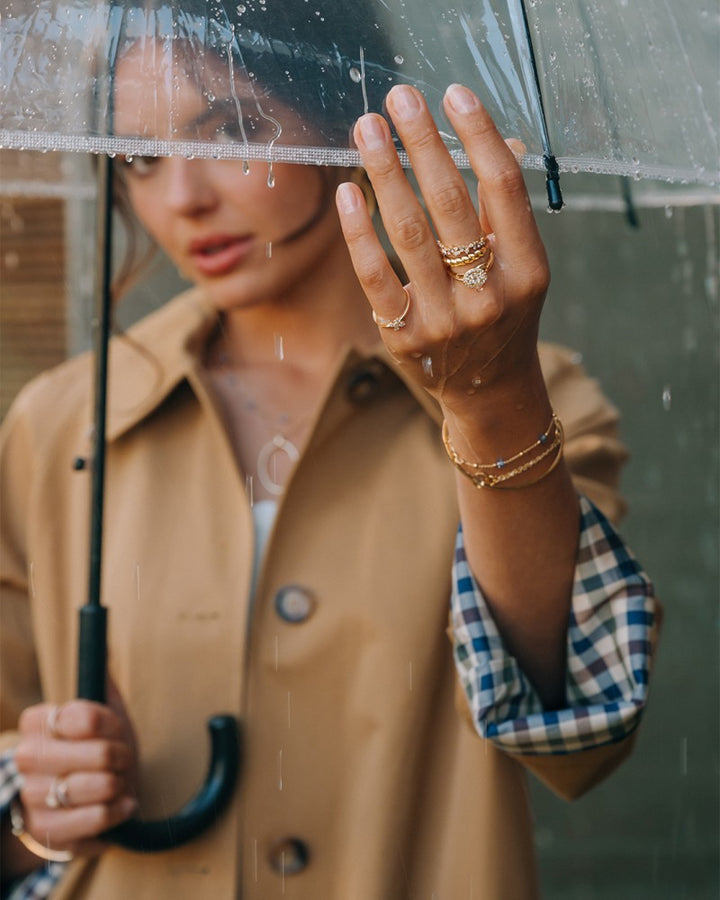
(324, 60)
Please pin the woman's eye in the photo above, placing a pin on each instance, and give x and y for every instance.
(140, 165)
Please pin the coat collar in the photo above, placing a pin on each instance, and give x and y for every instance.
(165, 349)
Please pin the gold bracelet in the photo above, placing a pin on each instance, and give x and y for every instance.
(27, 840)
(481, 474)
(503, 461)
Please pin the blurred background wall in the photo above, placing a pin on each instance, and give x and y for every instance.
(642, 307)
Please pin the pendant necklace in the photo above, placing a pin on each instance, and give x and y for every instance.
(278, 445)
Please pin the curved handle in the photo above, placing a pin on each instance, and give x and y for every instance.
(199, 812)
(212, 798)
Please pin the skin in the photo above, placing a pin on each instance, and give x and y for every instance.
(318, 291)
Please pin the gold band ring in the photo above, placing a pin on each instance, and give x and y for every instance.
(397, 323)
(449, 253)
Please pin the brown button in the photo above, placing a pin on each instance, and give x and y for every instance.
(294, 603)
(365, 382)
(289, 856)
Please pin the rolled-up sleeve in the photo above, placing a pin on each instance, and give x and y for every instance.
(610, 640)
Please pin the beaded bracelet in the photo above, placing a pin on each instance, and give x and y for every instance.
(493, 475)
(17, 823)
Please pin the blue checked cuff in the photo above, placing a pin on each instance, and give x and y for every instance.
(609, 649)
(40, 883)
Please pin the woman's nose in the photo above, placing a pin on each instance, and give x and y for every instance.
(190, 192)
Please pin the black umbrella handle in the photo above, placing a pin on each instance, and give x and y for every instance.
(201, 811)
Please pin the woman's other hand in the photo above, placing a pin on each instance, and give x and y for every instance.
(78, 764)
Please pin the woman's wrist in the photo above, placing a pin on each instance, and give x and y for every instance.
(498, 419)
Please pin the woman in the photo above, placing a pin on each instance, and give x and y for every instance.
(289, 407)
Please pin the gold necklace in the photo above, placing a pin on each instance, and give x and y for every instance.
(279, 443)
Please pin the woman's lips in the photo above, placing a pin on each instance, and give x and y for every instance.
(219, 254)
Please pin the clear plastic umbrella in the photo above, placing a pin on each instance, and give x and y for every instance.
(614, 87)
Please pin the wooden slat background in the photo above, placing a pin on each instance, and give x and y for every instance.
(32, 275)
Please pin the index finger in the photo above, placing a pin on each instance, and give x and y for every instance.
(72, 721)
(500, 181)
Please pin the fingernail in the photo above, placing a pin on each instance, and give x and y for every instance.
(347, 199)
(371, 132)
(404, 103)
(461, 99)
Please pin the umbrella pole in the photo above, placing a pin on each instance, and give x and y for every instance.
(93, 616)
(552, 170)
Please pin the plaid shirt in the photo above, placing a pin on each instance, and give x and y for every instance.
(608, 663)
(609, 649)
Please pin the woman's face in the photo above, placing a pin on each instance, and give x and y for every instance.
(223, 226)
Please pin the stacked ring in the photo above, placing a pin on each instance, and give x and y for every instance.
(476, 277)
(454, 257)
(463, 254)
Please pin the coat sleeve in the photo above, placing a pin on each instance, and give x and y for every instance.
(612, 629)
(18, 666)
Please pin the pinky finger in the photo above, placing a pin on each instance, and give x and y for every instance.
(73, 827)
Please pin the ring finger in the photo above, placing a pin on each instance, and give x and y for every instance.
(76, 789)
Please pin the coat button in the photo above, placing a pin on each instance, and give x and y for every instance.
(365, 382)
(289, 856)
(294, 603)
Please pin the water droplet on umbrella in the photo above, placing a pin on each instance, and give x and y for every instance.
(399, 59)
(355, 75)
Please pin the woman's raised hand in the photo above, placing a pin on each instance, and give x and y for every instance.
(455, 335)
(77, 763)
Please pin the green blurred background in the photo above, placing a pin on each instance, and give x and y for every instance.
(642, 306)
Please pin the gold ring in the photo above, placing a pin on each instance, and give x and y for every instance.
(455, 262)
(397, 323)
(452, 252)
(57, 795)
(476, 277)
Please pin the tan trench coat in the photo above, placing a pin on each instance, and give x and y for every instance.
(352, 740)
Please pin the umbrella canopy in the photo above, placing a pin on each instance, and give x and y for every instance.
(624, 88)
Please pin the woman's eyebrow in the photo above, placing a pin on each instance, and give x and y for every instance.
(218, 109)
